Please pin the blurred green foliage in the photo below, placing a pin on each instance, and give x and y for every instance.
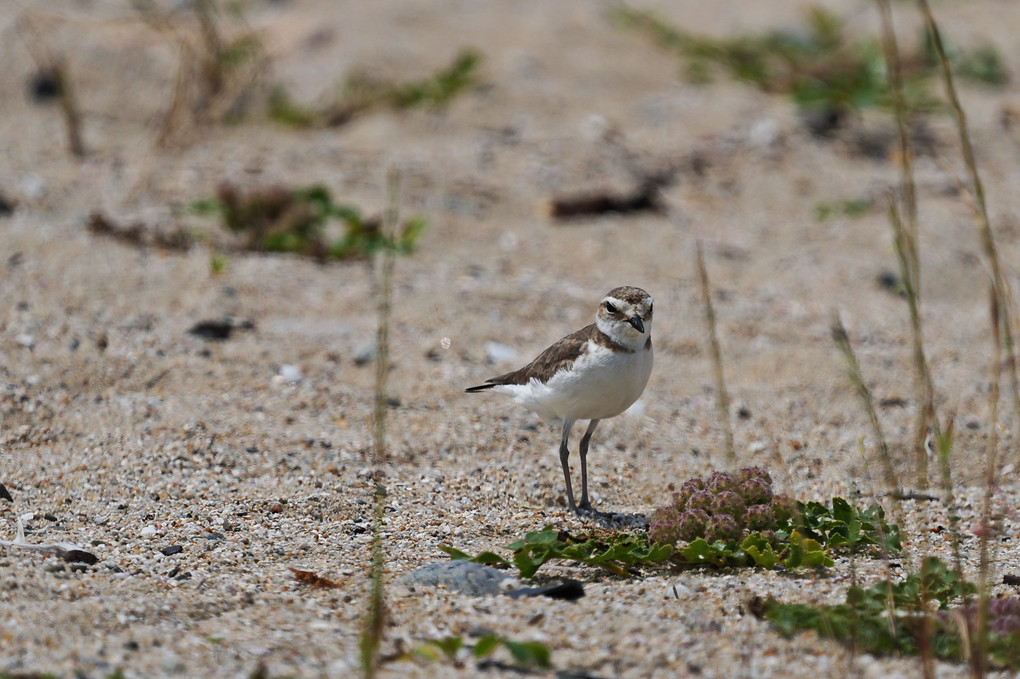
(362, 93)
(525, 654)
(281, 219)
(818, 65)
(848, 207)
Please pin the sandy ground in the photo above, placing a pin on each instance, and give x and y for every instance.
(124, 434)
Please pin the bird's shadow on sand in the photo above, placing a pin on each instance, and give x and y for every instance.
(615, 519)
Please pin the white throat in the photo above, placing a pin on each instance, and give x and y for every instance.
(624, 333)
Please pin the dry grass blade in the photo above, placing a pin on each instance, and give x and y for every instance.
(723, 400)
(895, 76)
(842, 340)
(176, 116)
(1002, 326)
(907, 251)
(943, 449)
(1000, 285)
(979, 658)
(371, 637)
(927, 419)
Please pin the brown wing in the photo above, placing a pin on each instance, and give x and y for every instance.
(559, 356)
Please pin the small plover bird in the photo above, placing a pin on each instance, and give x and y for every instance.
(594, 373)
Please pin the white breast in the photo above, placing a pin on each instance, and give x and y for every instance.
(602, 384)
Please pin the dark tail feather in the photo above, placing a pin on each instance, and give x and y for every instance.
(480, 387)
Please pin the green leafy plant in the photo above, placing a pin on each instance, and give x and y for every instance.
(525, 654)
(724, 521)
(795, 552)
(281, 219)
(891, 617)
(619, 553)
(844, 526)
(614, 552)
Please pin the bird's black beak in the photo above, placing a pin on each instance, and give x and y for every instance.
(635, 322)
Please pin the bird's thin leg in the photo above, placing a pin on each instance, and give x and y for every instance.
(585, 504)
(564, 454)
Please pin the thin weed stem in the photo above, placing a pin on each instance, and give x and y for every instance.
(723, 399)
(927, 419)
(980, 660)
(842, 340)
(69, 106)
(1000, 285)
(898, 519)
(1002, 326)
(895, 77)
(906, 237)
(944, 450)
(372, 634)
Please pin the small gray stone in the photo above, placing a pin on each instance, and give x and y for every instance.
(497, 353)
(465, 577)
(365, 354)
(32, 186)
(290, 373)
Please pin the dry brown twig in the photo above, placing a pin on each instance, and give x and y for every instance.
(138, 234)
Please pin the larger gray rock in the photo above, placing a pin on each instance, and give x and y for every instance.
(465, 577)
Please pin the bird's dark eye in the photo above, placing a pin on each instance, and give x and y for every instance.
(610, 308)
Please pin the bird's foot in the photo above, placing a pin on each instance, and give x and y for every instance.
(587, 511)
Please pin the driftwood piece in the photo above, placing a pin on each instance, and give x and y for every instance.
(138, 234)
(645, 197)
(219, 329)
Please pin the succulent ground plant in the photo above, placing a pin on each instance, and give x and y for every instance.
(722, 507)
